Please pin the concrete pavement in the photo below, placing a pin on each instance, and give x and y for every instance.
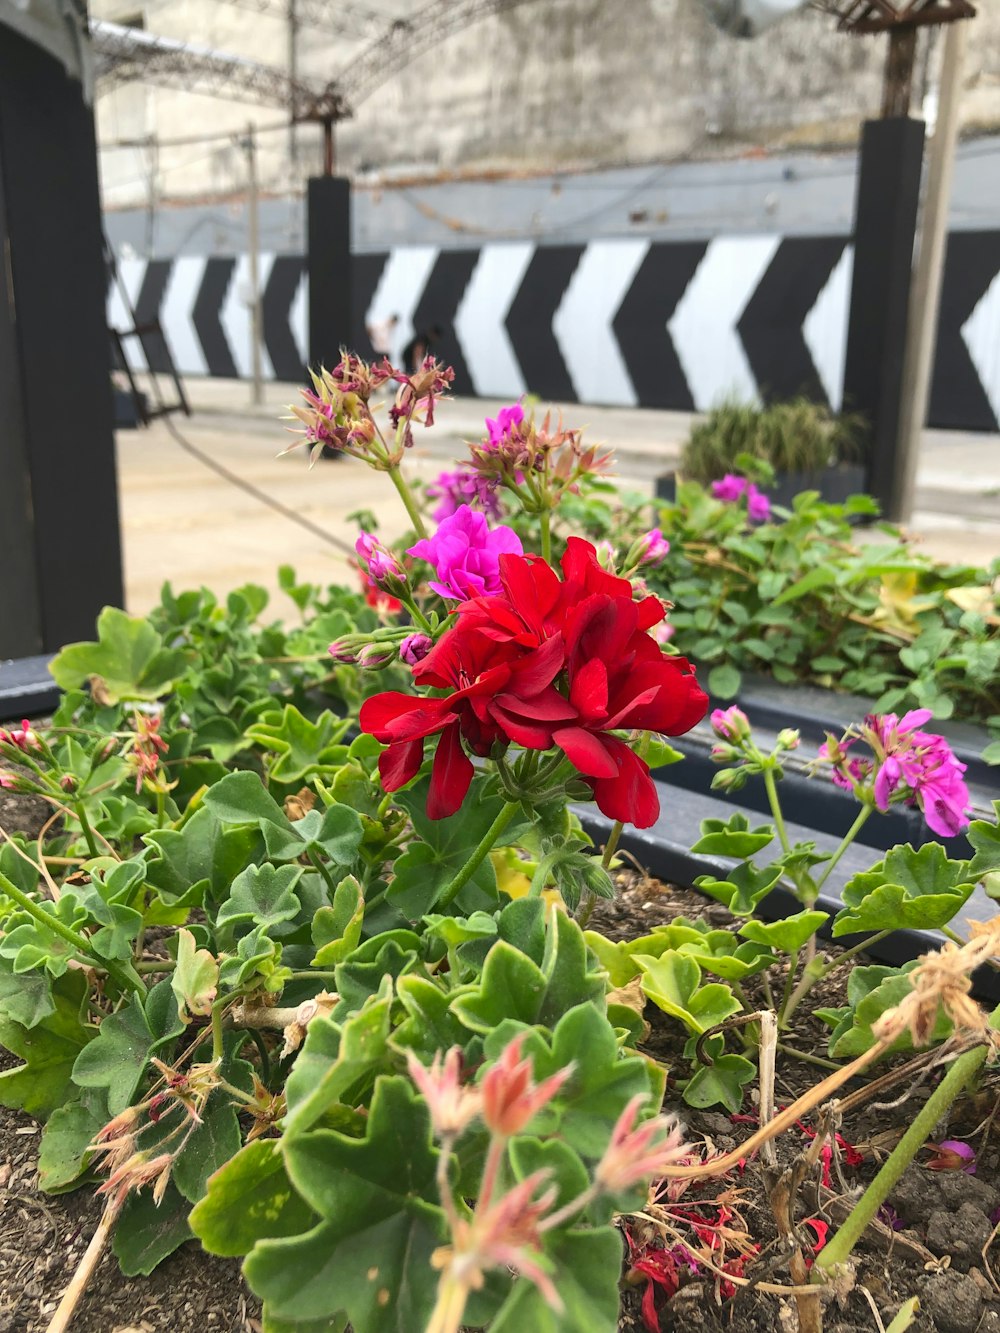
(183, 522)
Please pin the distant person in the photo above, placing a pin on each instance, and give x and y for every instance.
(382, 336)
(420, 347)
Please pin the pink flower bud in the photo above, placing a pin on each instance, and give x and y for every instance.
(415, 648)
(511, 1097)
(374, 656)
(656, 547)
(730, 724)
(343, 652)
(68, 782)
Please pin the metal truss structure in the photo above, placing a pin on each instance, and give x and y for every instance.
(870, 16)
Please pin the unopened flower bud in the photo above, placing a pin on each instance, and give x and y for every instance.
(342, 651)
(728, 779)
(374, 656)
(788, 739)
(68, 782)
(730, 724)
(415, 648)
(655, 547)
(724, 754)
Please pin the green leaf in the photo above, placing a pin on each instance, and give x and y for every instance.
(569, 976)
(49, 1049)
(125, 1041)
(724, 682)
(991, 754)
(788, 934)
(303, 748)
(194, 980)
(211, 1145)
(429, 865)
(822, 576)
(336, 930)
(128, 657)
(511, 986)
(25, 998)
(371, 1255)
(721, 1083)
(672, 982)
(250, 1198)
(872, 991)
(334, 1058)
(919, 889)
(272, 1324)
(262, 895)
(732, 837)
(69, 1132)
(430, 1025)
(586, 1265)
(146, 1234)
(658, 754)
(203, 855)
(985, 839)
(569, 1175)
(743, 888)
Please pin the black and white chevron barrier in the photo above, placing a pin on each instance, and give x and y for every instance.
(670, 324)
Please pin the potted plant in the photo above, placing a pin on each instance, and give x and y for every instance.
(806, 445)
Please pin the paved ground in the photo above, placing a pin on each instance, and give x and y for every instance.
(183, 522)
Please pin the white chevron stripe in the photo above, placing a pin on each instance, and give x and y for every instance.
(703, 326)
(479, 320)
(981, 334)
(235, 316)
(582, 323)
(400, 288)
(176, 313)
(825, 328)
(298, 317)
(131, 273)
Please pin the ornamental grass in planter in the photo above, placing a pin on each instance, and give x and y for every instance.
(317, 984)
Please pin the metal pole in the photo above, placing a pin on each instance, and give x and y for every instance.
(253, 220)
(925, 294)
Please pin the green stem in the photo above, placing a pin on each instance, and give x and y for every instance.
(161, 808)
(838, 1250)
(786, 994)
(544, 521)
(772, 799)
(406, 495)
(507, 813)
(124, 976)
(318, 865)
(88, 832)
(218, 1050)
(813, 974)
(611, 846)
(806, 1056)
(848, 838)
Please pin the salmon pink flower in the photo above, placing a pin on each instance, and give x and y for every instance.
(452, 1105)
(511, 1097)
(637, 1154)
(465, 553)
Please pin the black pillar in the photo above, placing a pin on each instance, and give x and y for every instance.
(60, 556)
(328, 241)
(885, 220)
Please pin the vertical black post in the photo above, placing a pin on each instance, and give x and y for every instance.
(885, 219)
(60, 555)
(328, 241)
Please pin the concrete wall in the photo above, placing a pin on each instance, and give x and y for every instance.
(554, 84)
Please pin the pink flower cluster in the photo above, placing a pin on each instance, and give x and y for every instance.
(732, 488)
(906, 761)
(464, 486)
(22, 738)
(465, 553)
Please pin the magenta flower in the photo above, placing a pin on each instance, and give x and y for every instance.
(506, 419)
(656, 547)
(464, 486)
(415, 648)
(465, 554)
(22, 737)
(909, 764)
(732, 488)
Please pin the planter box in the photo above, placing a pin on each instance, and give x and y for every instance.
(26, 688)
(835, 484)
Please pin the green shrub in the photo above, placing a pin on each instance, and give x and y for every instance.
(797, 436)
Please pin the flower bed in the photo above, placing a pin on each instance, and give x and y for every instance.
(323, 985)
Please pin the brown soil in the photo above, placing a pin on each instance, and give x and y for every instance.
(938, 1257)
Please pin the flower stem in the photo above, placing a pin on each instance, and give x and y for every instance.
(406, 495)
(124, 976)
(772, 799)
(88, 832)
(507, 813)
(838, 1250)
(544, 521)
(812, 973)
(611, 846)
(848, 838)
(323, 870)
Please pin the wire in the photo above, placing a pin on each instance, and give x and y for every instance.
(208, 461)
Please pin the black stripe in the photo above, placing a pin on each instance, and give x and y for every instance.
(641, 324)
(529, 321)
(958, 399)
(366, 270)
(437, 305)
(147, 311)
(771, 325)
(205, 317)
(276, 305)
